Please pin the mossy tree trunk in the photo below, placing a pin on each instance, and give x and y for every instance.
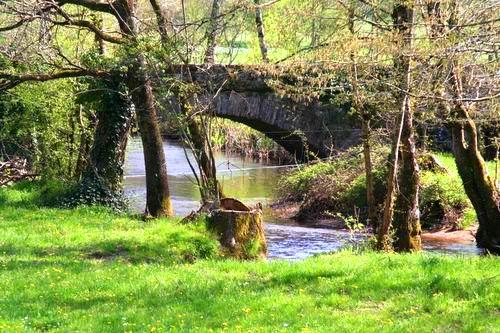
(401, 206)
(407, 214)
(107, 155)
(479, 186)
(158, 201)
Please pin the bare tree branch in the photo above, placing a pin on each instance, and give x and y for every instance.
(9, 81)
(105, 6)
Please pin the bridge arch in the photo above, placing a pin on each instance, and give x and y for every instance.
(302, 129)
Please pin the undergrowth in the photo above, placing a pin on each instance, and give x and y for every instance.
(338, 186)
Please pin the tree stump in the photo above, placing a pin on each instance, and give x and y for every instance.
(240, 232)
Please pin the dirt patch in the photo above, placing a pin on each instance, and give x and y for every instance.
(449, 235)
(285, 210)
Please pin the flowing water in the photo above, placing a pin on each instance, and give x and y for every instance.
(250, 182)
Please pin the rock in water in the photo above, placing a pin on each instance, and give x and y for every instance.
(240, 232)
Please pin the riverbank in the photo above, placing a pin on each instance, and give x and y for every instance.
(435, 239)
(90, 270)
(333, 192)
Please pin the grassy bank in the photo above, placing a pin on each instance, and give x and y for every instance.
(89, 270)
(338, 186)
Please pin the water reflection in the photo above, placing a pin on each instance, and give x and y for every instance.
(295, 242)
(247, 180)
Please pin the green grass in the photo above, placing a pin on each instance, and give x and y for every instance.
(88, 270)
(450, 188)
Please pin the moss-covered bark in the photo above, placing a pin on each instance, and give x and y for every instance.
(401, 205)
(158, 201)
(107, 154)
(241, 233)
(478, 185)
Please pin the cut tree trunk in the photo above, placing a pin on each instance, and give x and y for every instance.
(240, 232)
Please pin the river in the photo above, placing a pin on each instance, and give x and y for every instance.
(251, 182)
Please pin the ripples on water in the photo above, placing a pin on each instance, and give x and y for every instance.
(251, 182)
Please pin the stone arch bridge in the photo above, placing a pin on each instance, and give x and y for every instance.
(272, 101)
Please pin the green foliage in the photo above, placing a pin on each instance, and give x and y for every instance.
(355, 193)
(442, 193)
(343, 170)
(36, 123)
(338, 186)
(298, 182)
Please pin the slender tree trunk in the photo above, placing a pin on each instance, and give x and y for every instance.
(210, 188)
(259, 23)
(158, 201)
(404, 208)
(316, 21)
(209, 185)
(383, 239)
(365, 128)
(85, 147)
(212, 32)
(161, 21)
(370, 191)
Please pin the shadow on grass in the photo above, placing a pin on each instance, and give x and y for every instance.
(177, 248)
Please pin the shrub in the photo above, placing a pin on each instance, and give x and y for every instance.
(338, 186)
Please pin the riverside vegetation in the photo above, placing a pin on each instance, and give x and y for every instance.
(329, 188)
(92, 270)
